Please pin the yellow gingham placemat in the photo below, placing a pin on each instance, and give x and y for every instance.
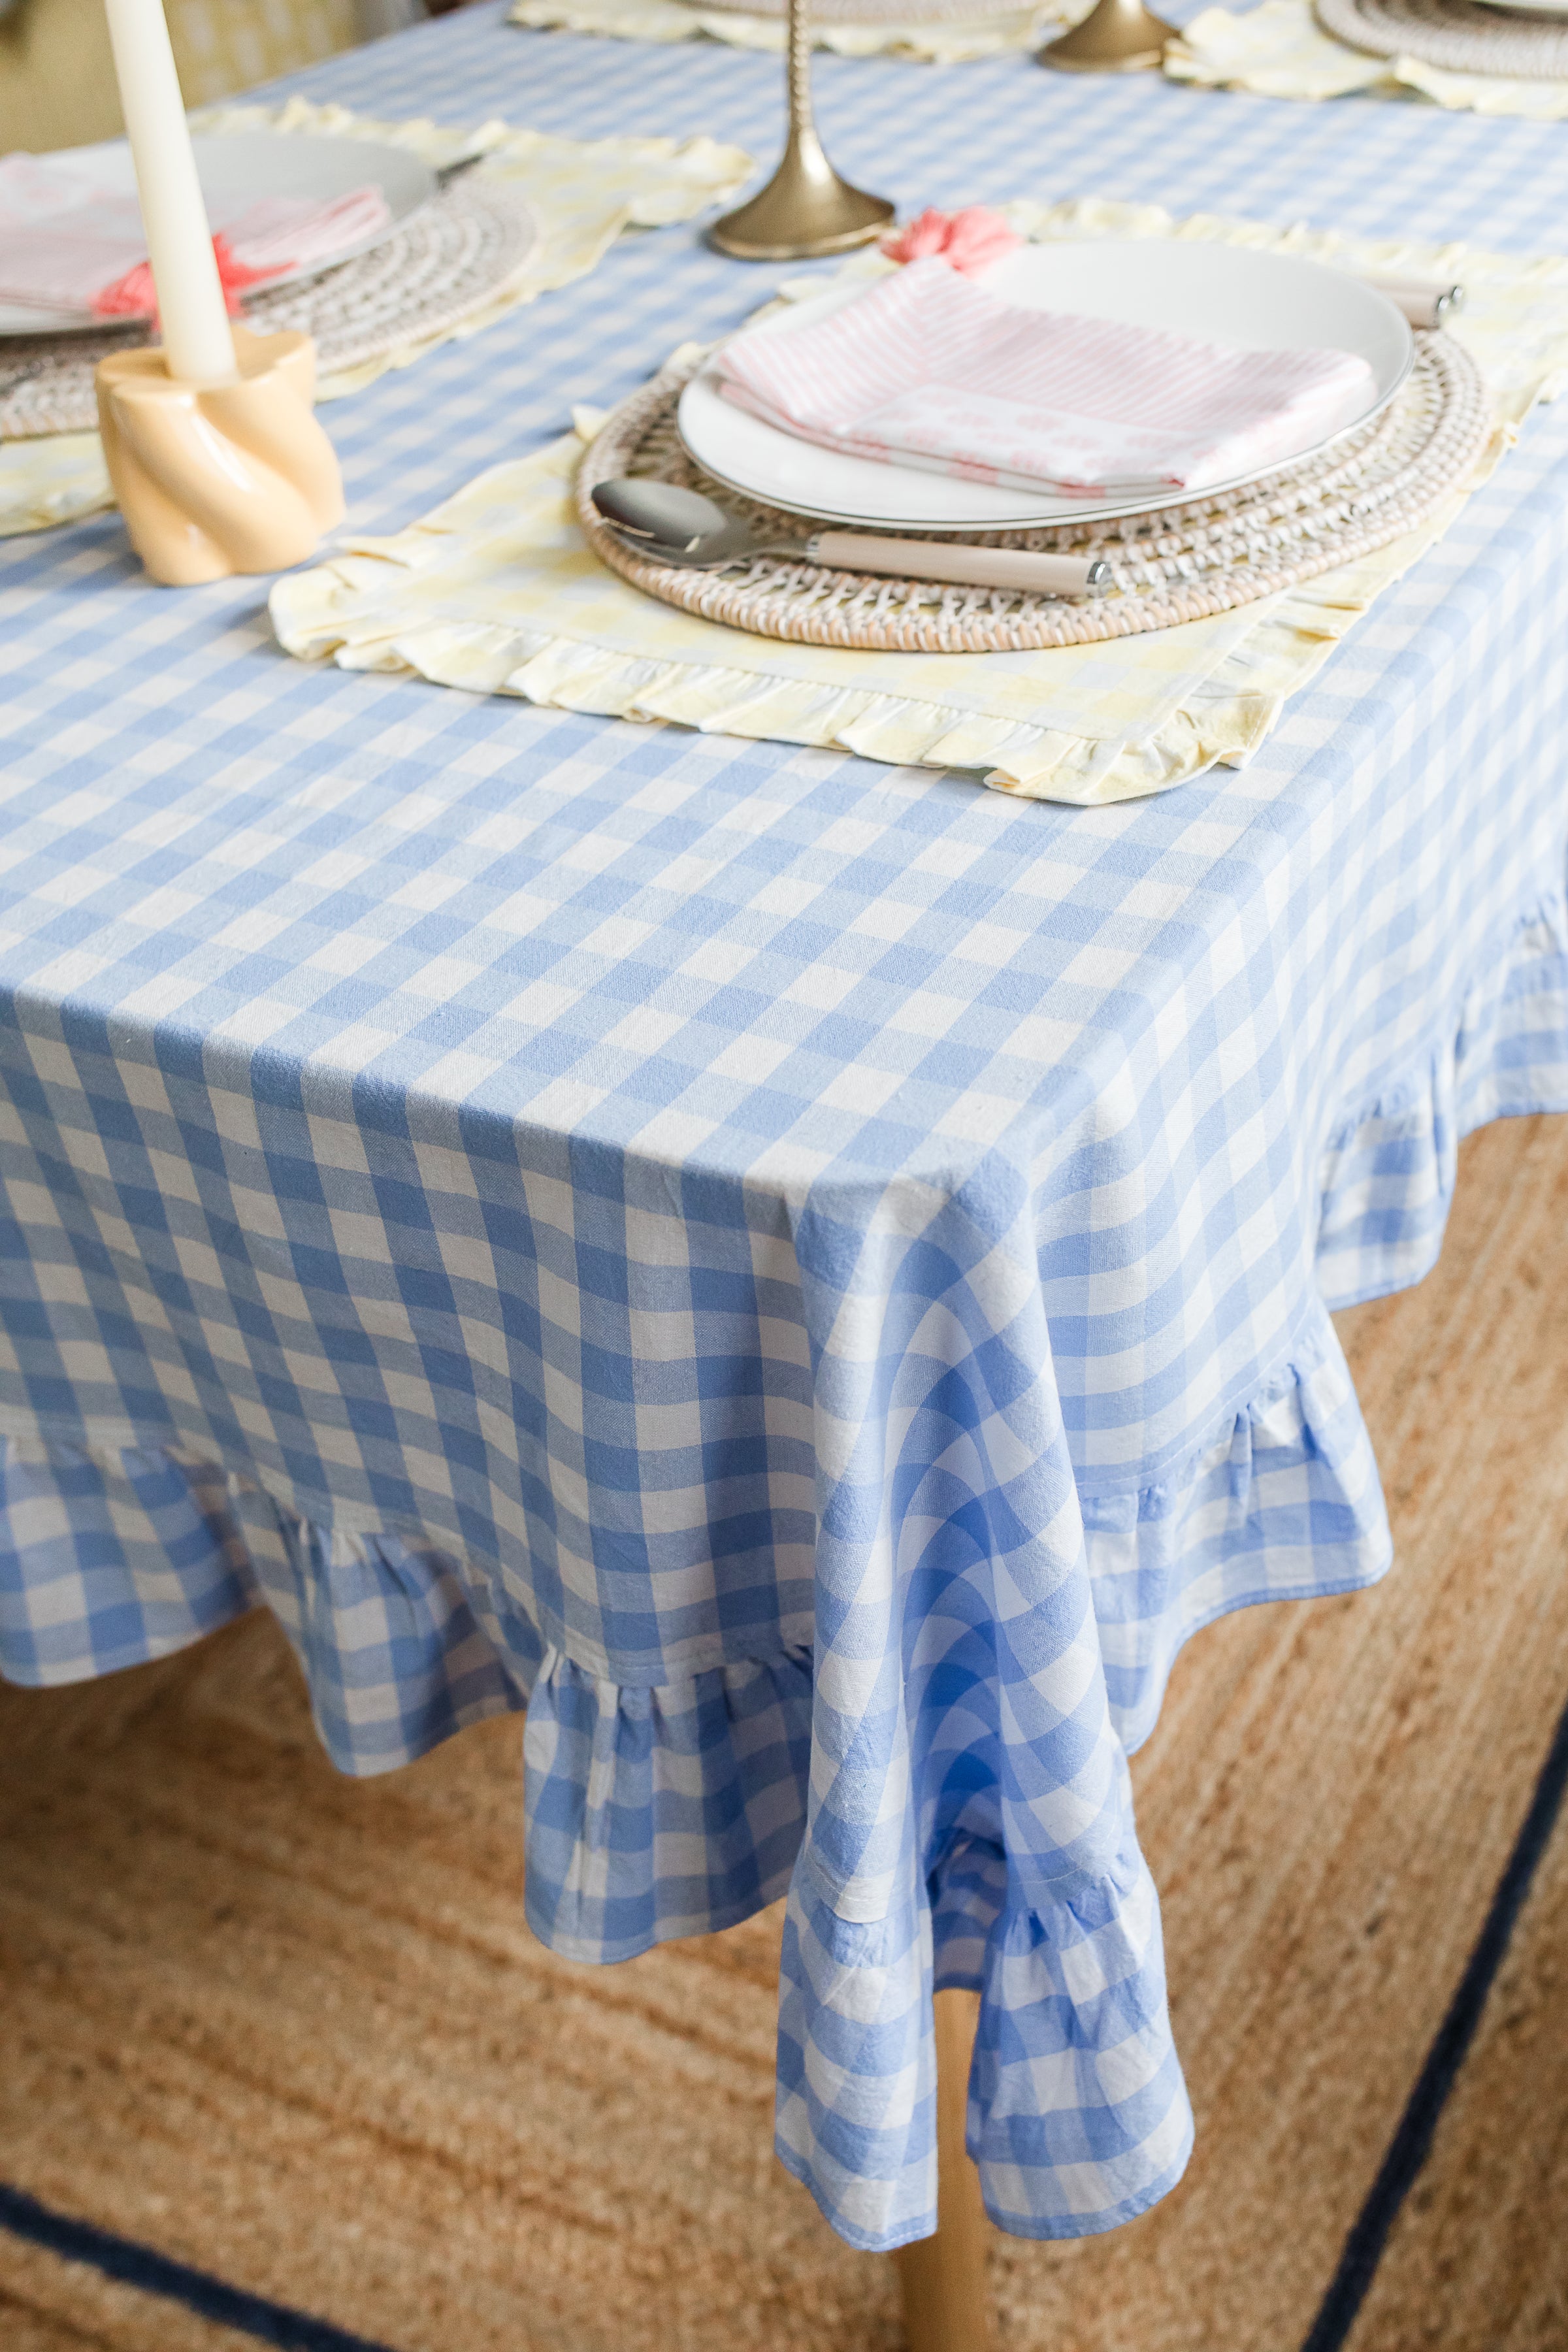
(582, 194)
(931, 43)
(1278, 50)
(497, 592)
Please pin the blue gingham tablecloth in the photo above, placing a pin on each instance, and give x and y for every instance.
(812, 1276)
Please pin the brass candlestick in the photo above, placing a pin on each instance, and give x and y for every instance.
(806, 209)
(1117, 37)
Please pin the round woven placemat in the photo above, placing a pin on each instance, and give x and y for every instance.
(443, 261)
(1181, 563)
(1460, 35)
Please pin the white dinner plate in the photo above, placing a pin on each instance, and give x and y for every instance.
(1260, 301)
(235, 168)
(1529, 7)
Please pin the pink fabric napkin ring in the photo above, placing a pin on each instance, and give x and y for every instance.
(968, 241)
(134, 296)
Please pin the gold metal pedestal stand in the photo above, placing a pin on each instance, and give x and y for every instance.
(1118, 37)
(806, 209)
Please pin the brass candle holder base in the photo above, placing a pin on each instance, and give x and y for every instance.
(1117, 37)
(805, 210)
(218, 478)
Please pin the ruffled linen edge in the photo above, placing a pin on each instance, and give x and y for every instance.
(348, 609)
(121, 1554)
(116, 1555)
(665, 1813)
(1278, 50)
(930, 41)
(1520, 338)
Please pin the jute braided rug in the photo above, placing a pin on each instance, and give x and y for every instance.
(291, 2030)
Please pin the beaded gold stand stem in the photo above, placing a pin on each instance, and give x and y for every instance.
(806, 209)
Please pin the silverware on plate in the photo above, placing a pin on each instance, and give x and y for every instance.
(682, 527)
(1424, 303)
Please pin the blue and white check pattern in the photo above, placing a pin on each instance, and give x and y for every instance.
(815, 1273)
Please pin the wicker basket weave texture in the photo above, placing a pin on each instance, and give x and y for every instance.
(1181, 564)
(1458, 35)
(440, 265)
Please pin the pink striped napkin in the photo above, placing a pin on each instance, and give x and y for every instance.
(68, 246)
(931, 369)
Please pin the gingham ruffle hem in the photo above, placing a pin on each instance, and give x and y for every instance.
(655, 1812)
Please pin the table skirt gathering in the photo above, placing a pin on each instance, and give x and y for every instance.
(813, 1279)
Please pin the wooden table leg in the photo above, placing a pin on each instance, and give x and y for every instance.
(947, 2304)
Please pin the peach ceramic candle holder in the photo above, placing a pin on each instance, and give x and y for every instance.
(215, 478)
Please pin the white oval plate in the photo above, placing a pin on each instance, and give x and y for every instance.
(235, 168)
(1260, 301)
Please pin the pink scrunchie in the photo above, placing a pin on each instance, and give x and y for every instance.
(135, 297)
(970, 240)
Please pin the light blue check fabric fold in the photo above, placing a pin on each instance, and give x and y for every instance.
(809, 1276)
(931, 1763)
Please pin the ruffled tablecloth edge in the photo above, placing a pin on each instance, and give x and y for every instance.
(1501, 1050)
(403, 1647)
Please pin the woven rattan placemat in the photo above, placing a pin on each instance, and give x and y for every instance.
(440, 265)
(1186, 561)
(1458, 35)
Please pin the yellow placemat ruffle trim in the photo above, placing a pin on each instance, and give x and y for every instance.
(496, 591)
(928, 42)
(583, 194)
(1278, 50)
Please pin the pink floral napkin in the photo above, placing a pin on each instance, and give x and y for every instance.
(66, 244)
(931, 369)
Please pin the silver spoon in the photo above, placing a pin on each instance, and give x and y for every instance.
(682, 527)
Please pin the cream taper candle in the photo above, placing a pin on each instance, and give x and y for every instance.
(198, 347)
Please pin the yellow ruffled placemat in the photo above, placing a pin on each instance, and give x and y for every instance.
(583, 194)
(931, 43)
(496, 591)
(1278, 50)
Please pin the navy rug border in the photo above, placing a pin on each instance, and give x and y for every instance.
(131, 2265)
(1417, 2128)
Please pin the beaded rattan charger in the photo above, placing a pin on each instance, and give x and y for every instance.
(1181, 563)
(1458, 35)
(442, 263)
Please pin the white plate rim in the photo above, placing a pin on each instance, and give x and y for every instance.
(71, 323)
(1053, 518)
